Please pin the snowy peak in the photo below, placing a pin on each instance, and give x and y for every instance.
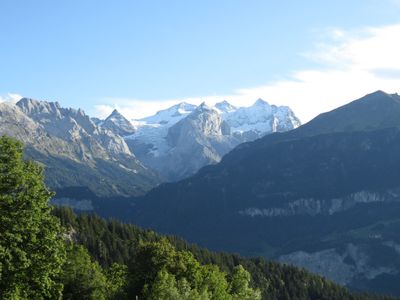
(115, 115)
(182, 108)
(180, 140)
(260, 102)
(224, 107)
(169, 116)
(261, 118)
(203, 107)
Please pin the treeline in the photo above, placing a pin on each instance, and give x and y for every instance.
(110, 241)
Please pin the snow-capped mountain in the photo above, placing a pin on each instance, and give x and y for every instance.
(178, 141)
(151, 132)
(224, 107)
(260, 119)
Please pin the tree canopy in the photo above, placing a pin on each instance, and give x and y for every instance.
(31, 245)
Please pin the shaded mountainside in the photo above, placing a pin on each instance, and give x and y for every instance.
(75, 151)
(112, 241)
(294, 196)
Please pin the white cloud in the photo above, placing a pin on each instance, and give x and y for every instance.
(352, 64)
(10, 97)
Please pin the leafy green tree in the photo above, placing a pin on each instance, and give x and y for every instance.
(31, 248)
(240, 285)
(167, 287)
(159, 271)
(117, 279)
(214, 282)
(82, 278)
(164, 287)
(149, 259)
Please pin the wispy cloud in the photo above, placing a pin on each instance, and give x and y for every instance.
(351, 64)
(10, 97)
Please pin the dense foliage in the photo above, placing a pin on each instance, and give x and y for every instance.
(31, 245)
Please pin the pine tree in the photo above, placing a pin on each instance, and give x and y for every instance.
(31, 246)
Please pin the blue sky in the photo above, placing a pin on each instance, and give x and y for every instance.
(143, 55)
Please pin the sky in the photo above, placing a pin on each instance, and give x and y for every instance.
(143, 56)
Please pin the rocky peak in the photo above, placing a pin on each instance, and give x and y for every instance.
(115, 114)
(261, 102)
(34, 108)
(225, 107)
(117, 123)
(204, 121)
(57, 120)
(75, 150)
(203, 107)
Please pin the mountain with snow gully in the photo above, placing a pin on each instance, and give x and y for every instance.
(180, 140)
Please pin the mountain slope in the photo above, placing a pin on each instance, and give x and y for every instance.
(180, 140)
(75, 151)
(296, 196)
(373, 111)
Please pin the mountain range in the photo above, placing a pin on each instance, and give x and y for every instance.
(178, 141)
(116, 156)
(324, 196)
(74, 150)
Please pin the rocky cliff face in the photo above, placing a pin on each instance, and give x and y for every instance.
(75, 127)
(315, 206)
(74, 150)
(347, 265)
(200, 139)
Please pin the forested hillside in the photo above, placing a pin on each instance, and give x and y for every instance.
(60, 255)
(110, 242)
